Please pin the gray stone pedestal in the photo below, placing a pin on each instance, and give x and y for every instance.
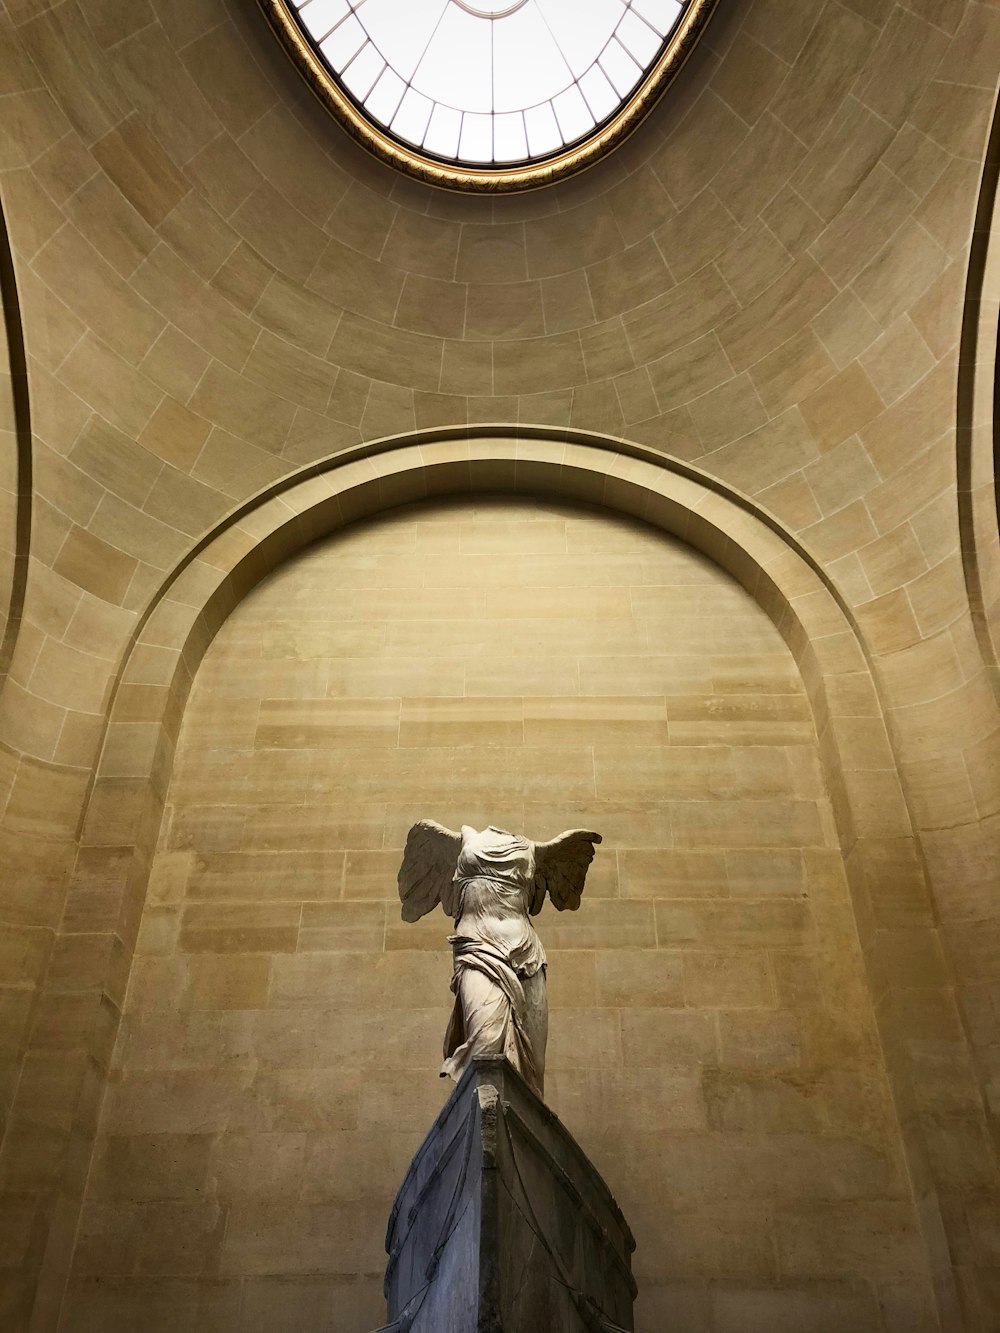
(502, 1225)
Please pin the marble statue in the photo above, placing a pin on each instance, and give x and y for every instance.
(490, 883)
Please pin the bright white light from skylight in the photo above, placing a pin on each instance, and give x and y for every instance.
(484, 81)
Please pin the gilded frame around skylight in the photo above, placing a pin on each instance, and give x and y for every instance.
(489, 180)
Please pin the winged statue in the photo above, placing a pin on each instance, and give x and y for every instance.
(491, 883)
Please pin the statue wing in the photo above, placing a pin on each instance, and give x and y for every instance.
(425, 877)
(561, 868)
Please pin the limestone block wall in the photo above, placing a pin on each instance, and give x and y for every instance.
(217, 288)
(712, 1046)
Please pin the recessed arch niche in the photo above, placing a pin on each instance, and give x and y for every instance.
(762, 1136)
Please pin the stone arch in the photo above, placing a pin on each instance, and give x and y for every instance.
(739, 535)
(122, 813)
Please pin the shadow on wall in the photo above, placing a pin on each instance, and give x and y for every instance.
(977, 409)
(15, 459)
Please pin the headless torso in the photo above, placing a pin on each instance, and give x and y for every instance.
(499, 977)
(495, 873)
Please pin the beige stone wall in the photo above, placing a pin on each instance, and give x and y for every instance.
(217, 288)
(712, 1046)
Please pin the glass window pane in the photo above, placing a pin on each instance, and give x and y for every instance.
(476, 141)
(543, 130)
(510, 143)
(527, 66)
(322, 16)
(601, 97)
(662, 14)
(572, 114)
(639, 39)
(581, 30)
(443, 131)
(361, 74)
(456, 67)
(410, 121)
(344, 42)
(402, 31)
(620, 68)
(385, 97)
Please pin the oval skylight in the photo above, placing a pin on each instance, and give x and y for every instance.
(488, 88)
